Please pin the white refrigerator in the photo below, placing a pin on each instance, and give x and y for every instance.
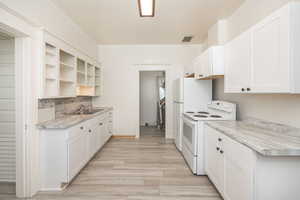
(189, 95)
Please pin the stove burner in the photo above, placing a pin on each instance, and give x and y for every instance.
(206, 113)
(190, 112)
(216, 116)
(200, 116)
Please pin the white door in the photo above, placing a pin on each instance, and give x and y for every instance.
(175, 125)
(270, 42)
(205, 63)
(211, 154)
(178, 110)
(197, 67)
(238, 64)
(238, 170)
(76, 155)
(98, 134)
(214, 153)
(235, 175)
(105, 131)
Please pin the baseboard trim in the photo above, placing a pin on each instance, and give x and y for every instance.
(124, 136)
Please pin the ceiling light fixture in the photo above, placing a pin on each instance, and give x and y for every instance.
(146, 8)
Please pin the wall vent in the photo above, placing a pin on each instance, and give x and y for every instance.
(187, 39)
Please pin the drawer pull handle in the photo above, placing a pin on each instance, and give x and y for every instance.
(219, 139)
(218, 149)
(243, 89)
(221, 152)
(248, 89)
(81, 127)
(100, 124)
(90, 131)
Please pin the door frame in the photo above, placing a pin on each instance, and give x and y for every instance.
(161, 68)
(24, 33)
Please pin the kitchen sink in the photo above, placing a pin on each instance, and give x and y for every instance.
(87, 112)
(90, 112)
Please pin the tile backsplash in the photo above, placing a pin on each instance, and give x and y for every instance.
(63, 106)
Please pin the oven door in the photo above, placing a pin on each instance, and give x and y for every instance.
(189, 142)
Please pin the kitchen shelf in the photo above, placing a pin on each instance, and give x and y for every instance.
(66, 65)
(51, 71)
(66, 81)
(51, 79)
(50, 65)
(66, 72)
(81, 73)
(50, 53)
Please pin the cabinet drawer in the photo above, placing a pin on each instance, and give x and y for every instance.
(75, 131)
(239, 154)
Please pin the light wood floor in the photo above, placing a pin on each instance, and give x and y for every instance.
(144, 169)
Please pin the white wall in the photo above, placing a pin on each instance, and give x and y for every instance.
(44, 13)
(281, 108)
(7, 112)
(121, 79)
(149, 95)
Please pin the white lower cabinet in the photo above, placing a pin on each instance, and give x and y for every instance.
(230, 166)
(238, 170)
(76, 155)
(64, 152)
(239, 173)
(214, 159)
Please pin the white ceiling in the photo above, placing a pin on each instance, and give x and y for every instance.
(118, 21)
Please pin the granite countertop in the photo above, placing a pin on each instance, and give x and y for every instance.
(70, 120)
(266, 138)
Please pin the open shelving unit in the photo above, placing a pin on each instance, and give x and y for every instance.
(98, 81)
(51, 70)
(67, 72)
(85, 78)
(67, 80)
(90, 75)
(81, 72)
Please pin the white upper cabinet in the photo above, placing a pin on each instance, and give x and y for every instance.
(66, 72)
(264, 59)
(210, 63)
(238, 63)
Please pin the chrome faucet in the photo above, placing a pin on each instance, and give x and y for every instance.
(81, 109)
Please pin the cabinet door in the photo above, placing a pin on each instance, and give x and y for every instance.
(76, 155)
(238, 63)
(238, 167)
(91, 135)
(197, 67)
(211, 155)
(220, 169)
(270, 50)
(99, 132)
(206, 63)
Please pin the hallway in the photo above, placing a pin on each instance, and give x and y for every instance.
(144, 169)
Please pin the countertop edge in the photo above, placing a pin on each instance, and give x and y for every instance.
(41, 127)
(262, 152)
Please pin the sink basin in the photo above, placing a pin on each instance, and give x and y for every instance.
(92, 111)
(87, 112)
